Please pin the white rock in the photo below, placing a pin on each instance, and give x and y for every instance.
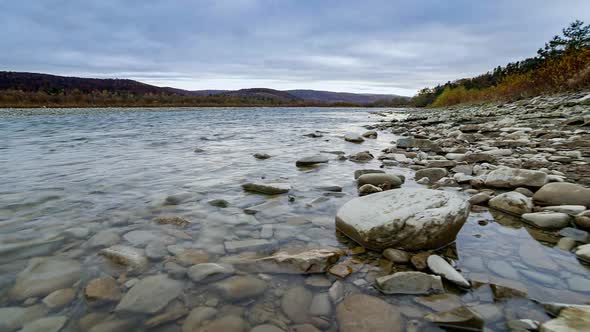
(441, 267)
(409, 218)
(548, 219)
(512, 202)
(505, 177)
(572, 210)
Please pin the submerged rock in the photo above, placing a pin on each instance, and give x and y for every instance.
(383, 181)
(306, 262)
(196, 317)
(102, 290)
(150, 295)
(410, 219)
(562, 193)
(396, 255)
(295, 303)
(360, 312)
(512, 202)
(126, 256)
(362, 156)
(44, 275)
(267, 188)
(458, 318)
(410, 283)
(367, 189)
(505, 177)
(206, 272)
(239, 288)
(47, 324)
(225, 324)
(13, 318)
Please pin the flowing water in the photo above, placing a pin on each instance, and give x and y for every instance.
(68, 175)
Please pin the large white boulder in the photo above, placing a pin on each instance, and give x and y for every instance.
(409, 218)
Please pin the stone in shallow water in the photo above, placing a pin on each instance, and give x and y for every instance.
(150, 295)
(250, 245)
(574, 233)
(209, 272)
(102, 290)
(320, 305)
(433, 174)
(295, 303)
(410, 283)
(266, 328)
(354, 138)
(574, 319)
(440, 302)
(13, 318)
(505, 177)
(126, 256)
(196, 317)
(583, 220)
(439, 266)
(141, 238)
(225, 324)
(512, 203)
(409, 218)
(47, 324)
(572, 210)
(360, 312)
(548, 219)
(360, 172)
(384, 181)
(584, 252)
(367, 189)
(45, 275)
(267, 188)
(306, 262)
(104, 238)
(311, 160)
(562, 193)
(59, 298)
(240, 288)
(396, 255)
(460, 318)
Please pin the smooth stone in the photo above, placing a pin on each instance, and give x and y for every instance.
(336, 292)
(261, 156)
(141, 238)
(579, 283)
(209, 272)
(381, 180)
(360, 312)
(480, 198)
(267, 188)
(295, 303)
(433, 174)
(396, 255)
(583, 220)
(305, 262)
(548, 219)
(239, 288)
(175, 270)
(42, 276)
(150, 295)
(566, 243)
(312, 160)
(320, 305)
(225, 324)
(220, 203)
(583, 252)
(572, 319)
(103, 239)
(131, 257)
(59, 298)
(198, 316)
(512, 202)
(360, 172)
(440, 302)
(13, 318)
(524, 191)
(572, 210)
(266, 328)
(102, 290)
(156, 250)
(47, 324)
(77, 232)
(367, 189)
(562, 193)
(191, 256)
(409, 218)
(505, 177)
(248, 245)
(574, 233)
(318, 281)
(370, 134)
(354, 138)
(458, 318)
(116, 325)
(171, 313)
(442, 268)
(263, 207)
(410, 283)
(362, 156)
(420, 143)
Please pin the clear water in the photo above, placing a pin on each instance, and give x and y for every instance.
(113, 169)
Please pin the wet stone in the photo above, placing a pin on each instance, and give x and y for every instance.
(295, 303)
(360, 312)
(102, 290)
(461, 317)
(45, 275)
(150, 295)
(59, 298)
(410, 283)
(196, 317)
(441, 267)
(267, 188)
(239, 288)
(207, 272)
(47, 324)
(127, 256)
(248, 245)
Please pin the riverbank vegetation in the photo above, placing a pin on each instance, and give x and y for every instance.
(563, 64)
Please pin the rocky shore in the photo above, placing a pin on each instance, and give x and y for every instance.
(474, 218)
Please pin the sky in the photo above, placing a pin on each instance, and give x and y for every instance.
(364, 46)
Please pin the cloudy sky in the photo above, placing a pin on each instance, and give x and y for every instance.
(381, 46)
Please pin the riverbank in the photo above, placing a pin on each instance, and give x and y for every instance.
(236, 220)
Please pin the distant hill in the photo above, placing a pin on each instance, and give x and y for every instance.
(30, 89)
(339, 97)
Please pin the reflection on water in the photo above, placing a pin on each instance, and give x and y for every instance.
(74, 183)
